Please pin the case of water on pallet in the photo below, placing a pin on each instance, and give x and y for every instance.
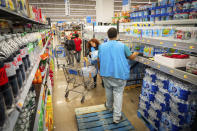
(166, 102)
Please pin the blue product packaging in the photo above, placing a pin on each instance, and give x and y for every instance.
(158, 18)
(171, 2)
(158, 11)
(154, 4)
(152, 18)
(169, 17)
(163, 10)
(3, 3)
(169, 10)
(153, 12)
(194, 5)
(179, 89)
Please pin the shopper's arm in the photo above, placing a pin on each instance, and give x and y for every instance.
(128, 53)
(133, 56)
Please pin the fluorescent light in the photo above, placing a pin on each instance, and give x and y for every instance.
(52, 8)
(81, 9)
(47, 3)
(59, 4)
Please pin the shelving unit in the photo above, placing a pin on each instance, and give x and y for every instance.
(41, 98)
(13, 117)
(183, 75)
(191, 47)
(162, 42)
(14, 16)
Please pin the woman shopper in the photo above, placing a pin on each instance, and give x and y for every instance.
(78, 42)
(70, 47)
(92, 47)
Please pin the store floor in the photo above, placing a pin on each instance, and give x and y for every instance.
(64, 115)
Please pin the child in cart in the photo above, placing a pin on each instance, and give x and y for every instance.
(92, 52)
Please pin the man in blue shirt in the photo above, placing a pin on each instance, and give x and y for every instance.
(115, 70)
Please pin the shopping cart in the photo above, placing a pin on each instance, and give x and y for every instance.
(84, 75)
(60, 55)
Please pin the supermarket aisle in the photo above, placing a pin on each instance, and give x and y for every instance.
(64, 115)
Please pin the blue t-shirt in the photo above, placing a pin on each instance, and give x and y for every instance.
(113, 60)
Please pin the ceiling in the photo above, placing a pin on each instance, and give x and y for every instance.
(79, 9)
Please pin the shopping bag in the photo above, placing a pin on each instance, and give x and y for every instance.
(94, 55)
(89, 71)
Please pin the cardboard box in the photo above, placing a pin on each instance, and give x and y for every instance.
(172, 62)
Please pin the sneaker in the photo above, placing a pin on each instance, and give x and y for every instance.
(118, 121)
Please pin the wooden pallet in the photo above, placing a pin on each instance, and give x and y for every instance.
(97, 118)
(132, 86)
(146, 122)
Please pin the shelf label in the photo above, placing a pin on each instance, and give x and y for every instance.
(161, 42)
(185, 76)
(148, 41)
(191, 47)
(142, 40)
(138, 39)
(158, 66)
(148, 63)
(172, 71)
(174, 45)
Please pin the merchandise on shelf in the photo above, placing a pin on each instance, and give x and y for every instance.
(167, 103)
(191, 67)
(122, 17)
(164, 10)
(26, 118)
(175, 60)
(49, 112)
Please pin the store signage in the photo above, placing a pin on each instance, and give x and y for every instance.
(126, 5)
(88, 19)
(67, 7)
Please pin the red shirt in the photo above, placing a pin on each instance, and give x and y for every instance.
(77, 44)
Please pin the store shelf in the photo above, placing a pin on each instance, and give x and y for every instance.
(13, 117)
(14, 16)
(183, 75)
(191, 47)
(177, 22)
(38, 111)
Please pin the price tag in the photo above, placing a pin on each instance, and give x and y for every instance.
(161, 42)
(138, 39)
(132, 39)
(145, 63)
(148, 41)
(39, 112)
(148, 63)
(158, 66)
(142, 40)
(174, 45)
(185, 76)
(191, 47)
(171, 71)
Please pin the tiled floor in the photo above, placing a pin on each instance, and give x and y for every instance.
(64, 115)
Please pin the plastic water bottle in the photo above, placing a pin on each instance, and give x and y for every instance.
(164, 79)
(179, 89)
(152, 73)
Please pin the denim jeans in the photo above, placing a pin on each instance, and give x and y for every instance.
(71, 57)
(114, 94)
(78, 56)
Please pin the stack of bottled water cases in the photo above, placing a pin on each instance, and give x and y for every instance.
(167, 102)
(136, 73)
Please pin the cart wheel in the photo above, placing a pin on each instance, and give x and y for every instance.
(67, 93)
(83, 99)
